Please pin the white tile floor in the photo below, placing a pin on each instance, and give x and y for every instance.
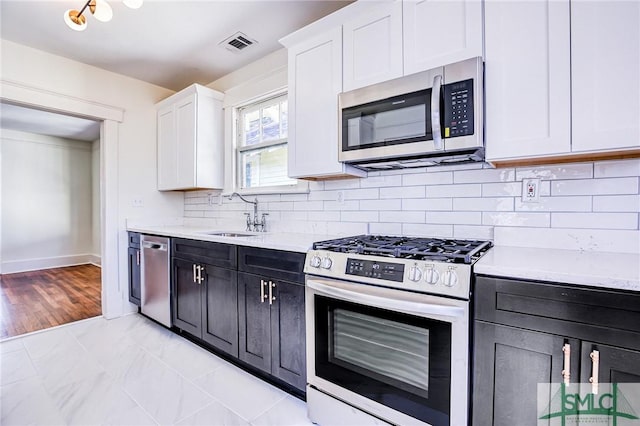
(131, 371)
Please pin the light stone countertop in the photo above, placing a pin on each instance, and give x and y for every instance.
(287, 241)
(596, 269)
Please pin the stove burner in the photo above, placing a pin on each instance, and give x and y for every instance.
(418, 248)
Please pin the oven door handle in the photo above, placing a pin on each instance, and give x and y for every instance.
(407, 306)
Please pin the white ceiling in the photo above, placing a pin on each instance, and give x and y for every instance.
(168, 43)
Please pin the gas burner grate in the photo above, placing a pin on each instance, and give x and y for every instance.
(418, 248)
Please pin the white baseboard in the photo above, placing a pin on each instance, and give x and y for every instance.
(95, 260)
(14, 266)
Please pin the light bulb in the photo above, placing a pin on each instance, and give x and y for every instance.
(101, 10)
(133, 4)
(73, 21)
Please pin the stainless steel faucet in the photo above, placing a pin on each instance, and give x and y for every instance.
(253, 224)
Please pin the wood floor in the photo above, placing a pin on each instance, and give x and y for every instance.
(35, 300)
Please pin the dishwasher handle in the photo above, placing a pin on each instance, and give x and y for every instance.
(154, 246)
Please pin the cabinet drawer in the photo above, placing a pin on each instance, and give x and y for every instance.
(134, 239)
(283, 265)
(588, 313)
(216, 254)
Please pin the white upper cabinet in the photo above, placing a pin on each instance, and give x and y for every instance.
(373, 46)
(437, 32)
(315, 80)
(605, 55)
(190, 140)
(527, 78)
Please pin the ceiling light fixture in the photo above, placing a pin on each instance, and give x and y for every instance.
(100, 9)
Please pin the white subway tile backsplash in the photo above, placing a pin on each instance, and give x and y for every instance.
(516, 219)
(460, 190)
(381, 205)
(402, 217)
(616, 203)
(362, 194)
(483, 204)
(618, 168)
(359, 216)
(595, 220)
(560, 171)
(473, 232)
(587, 205)
(381, 181)
(513, 189)
(346, 205)
(439, 178)
(455, 218)
(557, 204)
(609, 186)
(484, 175)
(428, 204)
(427, 230)
(403, 192)
(386, 228)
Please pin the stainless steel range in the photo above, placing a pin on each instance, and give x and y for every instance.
(388, 330)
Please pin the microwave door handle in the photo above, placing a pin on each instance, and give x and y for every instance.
(435, 113)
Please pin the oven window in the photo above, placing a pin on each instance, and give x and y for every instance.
(399, 360)
(392, 351)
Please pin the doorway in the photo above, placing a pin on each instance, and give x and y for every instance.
(50, 233)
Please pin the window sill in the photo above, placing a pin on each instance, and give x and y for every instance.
(301, 188)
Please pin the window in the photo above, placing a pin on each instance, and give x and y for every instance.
(262, 144)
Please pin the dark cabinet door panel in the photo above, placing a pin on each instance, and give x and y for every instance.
(616, 365)
(254, 322)
(220, 309)
(509, 363)
(288, 334)
(134, 276)
(187, 307)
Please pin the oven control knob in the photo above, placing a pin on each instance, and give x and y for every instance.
(431, 276)
(326, 263)
(415, 273)
(450, 278)
(315, 261)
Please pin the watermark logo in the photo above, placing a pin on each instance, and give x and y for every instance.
(616, 404)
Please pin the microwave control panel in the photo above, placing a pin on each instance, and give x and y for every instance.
(458, 109)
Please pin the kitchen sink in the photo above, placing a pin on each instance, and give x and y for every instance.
(228, 234)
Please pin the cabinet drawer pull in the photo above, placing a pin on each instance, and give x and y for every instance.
(595, 370)
(271, 296)
(566, 365)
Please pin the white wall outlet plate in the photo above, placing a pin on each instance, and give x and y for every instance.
(137, 202)
(531, 190)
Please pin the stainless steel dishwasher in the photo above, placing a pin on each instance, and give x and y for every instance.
(155, 291)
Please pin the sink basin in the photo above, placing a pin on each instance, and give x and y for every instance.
(228, 234)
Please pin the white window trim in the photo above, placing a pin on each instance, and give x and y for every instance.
(300, 187)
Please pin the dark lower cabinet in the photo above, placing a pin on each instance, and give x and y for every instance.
(525, 333)
(134, 268)
(205, 298)
(272, 327)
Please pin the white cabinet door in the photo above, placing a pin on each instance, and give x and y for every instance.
(186, 141)
(167, 166)
(438, 32)
(315, 80)
(605, 55)
(373, 46)
(527, 78)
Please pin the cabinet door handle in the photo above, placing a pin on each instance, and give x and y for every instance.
(566, 365)
(262, 283)
(138, 257)
(200, 277)
(271, 296)
(595, 370)
(195, 274)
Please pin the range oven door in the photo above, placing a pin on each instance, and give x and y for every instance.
(397, 355)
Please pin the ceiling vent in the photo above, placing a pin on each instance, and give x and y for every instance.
(237, 42)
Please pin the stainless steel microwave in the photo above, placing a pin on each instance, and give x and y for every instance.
(423, 119)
